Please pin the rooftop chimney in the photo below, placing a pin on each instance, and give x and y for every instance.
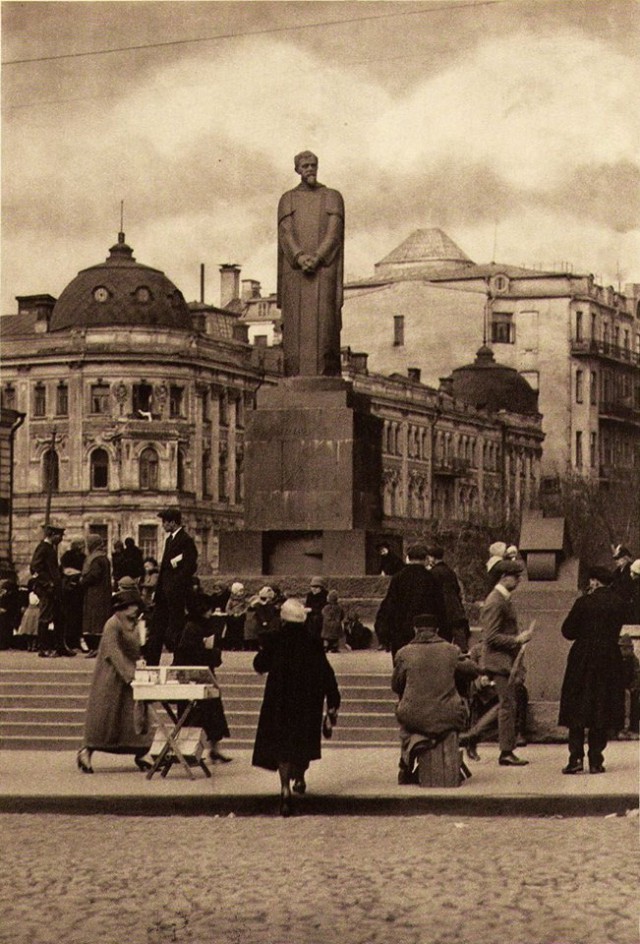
(39, 305)
(229, 283)
(250, 289)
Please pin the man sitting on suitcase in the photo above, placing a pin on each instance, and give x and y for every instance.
(424, 677)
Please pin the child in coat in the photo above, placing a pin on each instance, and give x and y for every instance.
(332, 617)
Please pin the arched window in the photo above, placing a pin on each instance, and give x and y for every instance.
(50, 471)
(99, 468)
(148, 465)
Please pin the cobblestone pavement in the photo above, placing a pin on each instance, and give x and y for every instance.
(318, 880)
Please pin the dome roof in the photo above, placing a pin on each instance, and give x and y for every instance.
(486, 384)
(120, 291)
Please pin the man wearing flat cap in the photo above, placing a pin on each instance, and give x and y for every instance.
(48, 587)
(177, 568)
(592, 696)
(501, 644)
(412, 591)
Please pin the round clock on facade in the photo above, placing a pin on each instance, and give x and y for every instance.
(100, 294)
(143, 294)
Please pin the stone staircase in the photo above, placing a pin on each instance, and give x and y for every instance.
(42, 707)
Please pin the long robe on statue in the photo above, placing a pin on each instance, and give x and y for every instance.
(311, 220)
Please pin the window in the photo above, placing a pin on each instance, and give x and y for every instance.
(40, 400)
(500, 283)
(102, 530)
(594, 388)
(148, 467)
(9, 397)
(99, 398)
(50, 471)
(142, 398)
(578, 326)
(206, 407)
(176, 395)
(625, 342)
(148, 540)
(578, 448)
(398, 330)
(223, 494)
(206, 473)
(239, 478)
(579, 386)
(62, 399)
(502, 328)
(240, 418)
(593, 449)
(224, 409)
(180, 471)
(605, 335)
(99, 468)
(593, 326)
(260, 340)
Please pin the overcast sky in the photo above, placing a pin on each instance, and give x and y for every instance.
(513, 126)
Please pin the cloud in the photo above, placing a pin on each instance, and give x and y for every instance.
(536, 133)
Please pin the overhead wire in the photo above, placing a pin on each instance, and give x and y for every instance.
(451, 7)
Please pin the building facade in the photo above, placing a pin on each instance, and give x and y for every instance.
(133, 400)
(576, 342)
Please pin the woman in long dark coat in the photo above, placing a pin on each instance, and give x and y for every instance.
(299, 679)
(109, 723)
(593, 688)
(197, 647)
(95, 582)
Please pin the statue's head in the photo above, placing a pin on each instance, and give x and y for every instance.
(306, 164)
(304, 157)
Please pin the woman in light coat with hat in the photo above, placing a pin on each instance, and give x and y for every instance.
(299, 680)
(109, 723)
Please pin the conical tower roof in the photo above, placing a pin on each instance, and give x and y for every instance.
(424, 252)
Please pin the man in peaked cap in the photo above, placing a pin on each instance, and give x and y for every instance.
(592, 695)
(412, 591)
(48, 586)
(501, 643)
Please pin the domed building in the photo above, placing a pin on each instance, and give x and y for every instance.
(133, 400)
(488, 385)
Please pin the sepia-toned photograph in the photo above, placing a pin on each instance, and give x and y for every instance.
(320, 471)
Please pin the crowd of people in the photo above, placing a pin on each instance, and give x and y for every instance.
(122, 609)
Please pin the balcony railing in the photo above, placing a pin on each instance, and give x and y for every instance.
(451, 466)
(591, 348)
(619, 411)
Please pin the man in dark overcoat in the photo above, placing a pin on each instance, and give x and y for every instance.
(177, 569)
(622, 581)
(48, 587)
(456, 627)
(592, 695)
(412, 591)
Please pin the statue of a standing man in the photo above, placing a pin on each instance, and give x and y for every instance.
(310, 269)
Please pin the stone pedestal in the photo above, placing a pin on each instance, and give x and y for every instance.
(313, 453)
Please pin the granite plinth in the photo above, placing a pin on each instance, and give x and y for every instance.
(312, 458)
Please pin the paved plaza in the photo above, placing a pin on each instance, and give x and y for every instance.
(318, 880)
